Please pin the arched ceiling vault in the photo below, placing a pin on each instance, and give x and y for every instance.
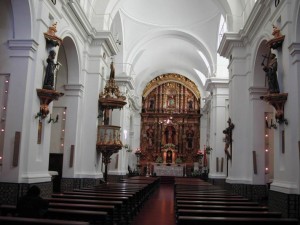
(166, 36)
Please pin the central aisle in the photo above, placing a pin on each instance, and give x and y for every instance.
(159, 208)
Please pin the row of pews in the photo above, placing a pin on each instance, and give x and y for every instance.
(107, 203)
(198, 202)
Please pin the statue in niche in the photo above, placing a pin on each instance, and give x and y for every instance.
(271, 73)
(169, 157)
(151, 104)
(50, 71)
(190, 136)
(171, 101)
(150, 136)
(170, 135)
(190, 104)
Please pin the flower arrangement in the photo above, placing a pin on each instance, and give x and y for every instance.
(159, 159)
(178, 160)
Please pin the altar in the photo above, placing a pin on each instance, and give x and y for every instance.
(172, 170)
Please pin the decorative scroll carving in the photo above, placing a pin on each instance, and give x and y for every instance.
(277, 101)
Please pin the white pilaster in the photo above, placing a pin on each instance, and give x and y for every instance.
(218, 87)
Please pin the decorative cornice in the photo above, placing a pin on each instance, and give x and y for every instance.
(256, 92)
(125, 81)
(80, 15)
(23, 48)
(254, 22)
(240, 39)
(97, 37)
(73, 89)
(108, 38)
(229, 41)
(294, 49)
(214, 82)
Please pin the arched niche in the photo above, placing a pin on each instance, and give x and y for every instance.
(73, 64)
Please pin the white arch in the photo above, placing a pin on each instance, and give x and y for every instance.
(176, 33)
(22, 19)
(73, 58)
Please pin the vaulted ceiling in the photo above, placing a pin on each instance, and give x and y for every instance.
(168, 36)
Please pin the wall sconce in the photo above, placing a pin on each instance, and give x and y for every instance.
(53, 120)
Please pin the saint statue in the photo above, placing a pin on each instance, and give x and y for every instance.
(112, 71)
(150, 136)
(190, 137)
(271, 74)
(170, 135)
(50, 71)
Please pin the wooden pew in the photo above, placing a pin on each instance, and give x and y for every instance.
(228, 213)
(133, 201)
(116, 204)
(109, 209)
(136, 198)
(216, 195)
(216, 203)
(66, 213)
(126, 211)
(196, 220)
(223, 207)
(9, 220)
(212, 199)
(81, 215)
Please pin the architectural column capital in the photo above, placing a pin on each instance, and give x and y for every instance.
(23, 47)
(256, 92)
(294, 49)
(73, 89)
(125, 81)
(229, 42)
(215, 82)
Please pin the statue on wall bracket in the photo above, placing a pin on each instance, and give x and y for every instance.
(228, 139)
(274, 97)
(48, 93)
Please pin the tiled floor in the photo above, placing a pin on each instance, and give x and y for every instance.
(159, 209)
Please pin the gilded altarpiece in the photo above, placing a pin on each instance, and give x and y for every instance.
(170, 126)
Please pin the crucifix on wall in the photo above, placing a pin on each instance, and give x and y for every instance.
(228, 138)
